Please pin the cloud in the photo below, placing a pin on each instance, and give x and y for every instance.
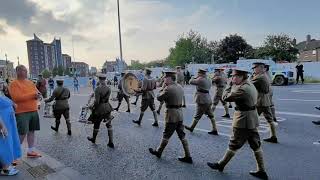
(2, 30)
(28, 17)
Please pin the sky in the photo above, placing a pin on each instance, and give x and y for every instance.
(149, 27)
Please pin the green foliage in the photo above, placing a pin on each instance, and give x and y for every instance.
(135, 65)
(46, 73)
(232, 47)
(279, 47)
(67, 72)
(190, 47)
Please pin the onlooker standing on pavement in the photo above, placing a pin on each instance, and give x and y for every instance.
(26, 111)
(300, 71)
(51, 85)
(4, 88)
(41, 86)
(61, 107)
(9, 140)
(115, 81)
(75, 85)
(94, 83)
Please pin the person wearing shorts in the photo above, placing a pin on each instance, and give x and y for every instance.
(26, 108)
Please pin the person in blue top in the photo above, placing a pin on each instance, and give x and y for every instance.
(94, 83)
(9, 140)
(75, 85)
(51, 85)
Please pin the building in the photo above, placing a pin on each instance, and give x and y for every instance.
(114, 66)
(49, 56)
(43, 56)
(81, 68)
(93, 71)
(58, 53)
(36, 57)
(66, 60)
(6, 69)
(309, 50)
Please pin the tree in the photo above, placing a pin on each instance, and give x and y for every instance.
(190, 47)
(135, 65)
(231, 48)
(46, 73)
(279, 47)
(67, 71)
(60, 71)
(54, 71)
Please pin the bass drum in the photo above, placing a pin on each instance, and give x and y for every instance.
(130, 83)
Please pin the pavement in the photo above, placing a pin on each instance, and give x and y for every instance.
(294, 158)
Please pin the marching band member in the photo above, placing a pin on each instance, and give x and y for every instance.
(101, 110)
(61, 107)
(203, 100)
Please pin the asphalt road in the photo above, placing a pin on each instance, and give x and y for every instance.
(295, 157)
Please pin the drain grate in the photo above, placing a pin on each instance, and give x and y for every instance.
(40, 170)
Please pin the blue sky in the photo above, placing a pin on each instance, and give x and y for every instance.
(149, 27)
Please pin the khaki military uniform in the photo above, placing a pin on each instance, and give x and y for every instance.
(172, 95)
(101, 110)
(121, 95)
(181, 81)
(148, 85)
(203, 100)
(61, 107)
(162, 85)
(273, 110)
(245, 124)
(220, 81)
(262, 84)
(245, 118)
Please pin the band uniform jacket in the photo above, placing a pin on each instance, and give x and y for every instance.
(262, 84)
(180, 78)
(202, 95)
(172, 95)
(148, 85)
(60, 95)
(245, 97)
(101, 100)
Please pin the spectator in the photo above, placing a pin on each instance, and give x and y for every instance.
(115, 80)
(41, 86)
(75, 84)
(26, 111)
(51, 85)
(187, 77)
(4, 88)
(300, 71)
(94, 83)
(9, 140)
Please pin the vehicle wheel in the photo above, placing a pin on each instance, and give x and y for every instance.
(279, 80)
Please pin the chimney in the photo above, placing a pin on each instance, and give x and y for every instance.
(308, 38)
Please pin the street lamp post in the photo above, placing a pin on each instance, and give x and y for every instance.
(119, 30)
(7, 69)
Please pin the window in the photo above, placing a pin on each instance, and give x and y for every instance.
(314, 52)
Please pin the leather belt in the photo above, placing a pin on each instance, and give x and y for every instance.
(245, 108)
(173, 106)
(202, 91)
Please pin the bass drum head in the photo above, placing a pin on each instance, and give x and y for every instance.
(129, 84)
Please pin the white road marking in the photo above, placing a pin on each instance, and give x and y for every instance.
(306, 91)
(304, 100)
(298, 114)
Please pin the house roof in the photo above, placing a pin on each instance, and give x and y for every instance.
(306, 46)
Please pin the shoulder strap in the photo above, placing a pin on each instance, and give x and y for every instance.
(58, 97)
